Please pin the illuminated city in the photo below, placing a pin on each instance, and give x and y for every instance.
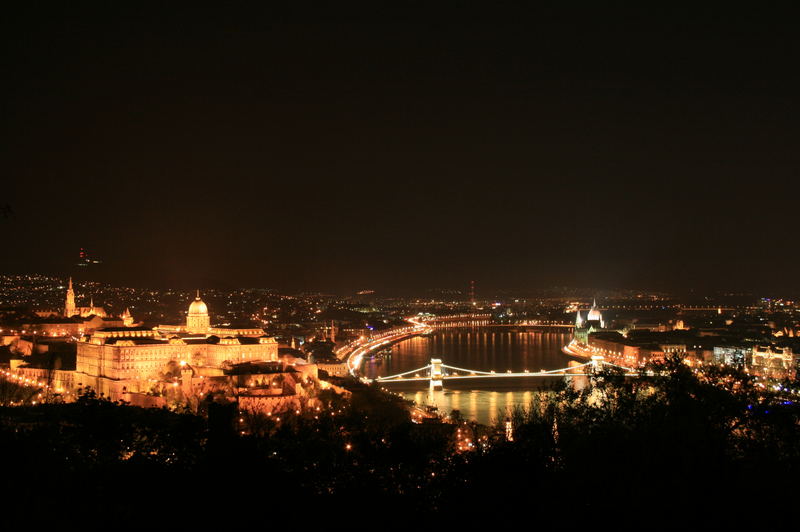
(422, 266)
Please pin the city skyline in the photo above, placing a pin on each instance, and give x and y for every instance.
(429, 264)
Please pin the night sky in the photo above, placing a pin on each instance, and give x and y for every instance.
(403, 148)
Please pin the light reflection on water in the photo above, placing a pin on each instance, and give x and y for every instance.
(484, 406)
(483, 400)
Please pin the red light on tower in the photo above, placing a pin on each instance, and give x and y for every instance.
(84, 259)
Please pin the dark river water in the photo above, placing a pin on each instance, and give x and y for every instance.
(486, 399)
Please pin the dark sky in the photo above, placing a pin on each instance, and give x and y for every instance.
(404, 148)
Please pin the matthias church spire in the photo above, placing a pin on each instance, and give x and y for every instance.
(69, 304)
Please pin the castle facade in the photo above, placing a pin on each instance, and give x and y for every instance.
(120, 360)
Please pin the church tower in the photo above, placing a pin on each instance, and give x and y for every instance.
(578, 319)
(198, 320)
(69, 307)
(127, 318)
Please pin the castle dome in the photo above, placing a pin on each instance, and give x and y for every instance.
(198, 306)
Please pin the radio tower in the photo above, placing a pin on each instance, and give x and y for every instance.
(472, 292)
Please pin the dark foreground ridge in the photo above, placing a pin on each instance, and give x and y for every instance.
(681, 447)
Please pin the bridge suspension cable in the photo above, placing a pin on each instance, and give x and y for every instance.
(467, 370)
(400, 375)
(618, 366)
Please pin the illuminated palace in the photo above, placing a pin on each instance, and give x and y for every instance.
(120, 360)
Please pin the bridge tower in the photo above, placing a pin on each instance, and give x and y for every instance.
(597, 363)
(436, 374)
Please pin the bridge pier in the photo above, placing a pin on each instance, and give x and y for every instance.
(436, 374)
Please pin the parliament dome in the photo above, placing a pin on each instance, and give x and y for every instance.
(594, 313)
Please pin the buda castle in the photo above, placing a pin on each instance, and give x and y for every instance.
(119, 360)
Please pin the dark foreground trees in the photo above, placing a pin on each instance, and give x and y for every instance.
(678, 446)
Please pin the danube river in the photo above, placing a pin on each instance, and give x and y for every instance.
(486, 349)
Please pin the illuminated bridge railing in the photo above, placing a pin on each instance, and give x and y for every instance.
(437, 372)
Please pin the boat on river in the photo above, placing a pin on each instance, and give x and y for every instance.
(380, 353)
